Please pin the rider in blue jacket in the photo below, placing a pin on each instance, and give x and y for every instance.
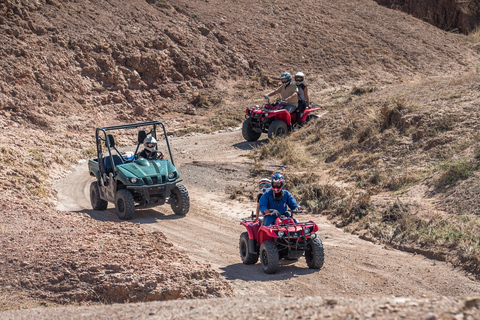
(275, 201)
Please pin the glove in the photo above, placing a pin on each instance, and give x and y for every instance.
(266, 96)
(282, 101)
(274, 212)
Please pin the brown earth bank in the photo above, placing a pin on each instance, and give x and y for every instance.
(67, 67)
(450, 15)
(53, 257)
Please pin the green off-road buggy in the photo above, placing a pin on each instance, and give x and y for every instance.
(130, 181)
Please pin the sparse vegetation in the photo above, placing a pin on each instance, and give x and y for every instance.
(419, 137)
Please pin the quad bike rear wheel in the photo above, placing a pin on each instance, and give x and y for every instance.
(314, 254)
(269, 257)
(97, 203)
(181, 203)
(278, 128)
(245, 254)
(247, 131)
(124, 204)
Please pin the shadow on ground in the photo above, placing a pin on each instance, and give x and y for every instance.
(288, 270)
(141, 216)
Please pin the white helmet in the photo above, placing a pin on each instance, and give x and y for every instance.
(150, 143)
(299, 77)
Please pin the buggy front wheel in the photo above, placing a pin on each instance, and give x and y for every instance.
(181, 200)
(125, 204)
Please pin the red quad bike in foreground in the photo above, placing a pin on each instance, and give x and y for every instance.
(273, 119)
(286, 238)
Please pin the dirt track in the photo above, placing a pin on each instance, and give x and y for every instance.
(210, 231)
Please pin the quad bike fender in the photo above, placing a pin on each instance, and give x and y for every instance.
(307, 111)
(252, 229)
(282, 115)
(265, 234)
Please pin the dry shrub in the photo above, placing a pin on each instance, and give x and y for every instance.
(286, 150)
(319, 197)
(199, 101)
(453, 171)
(391, 113)
(396, 181)
(353, 208)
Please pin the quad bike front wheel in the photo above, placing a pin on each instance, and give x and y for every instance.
(247, 256)
(247, 131)
(124, 204)
(269, 257)
(97, 203)
(181, 200)
(314, 254)
(278, 128)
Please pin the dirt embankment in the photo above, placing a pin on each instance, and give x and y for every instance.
(450, 15)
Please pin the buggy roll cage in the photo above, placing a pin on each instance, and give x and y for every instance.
(110, 143)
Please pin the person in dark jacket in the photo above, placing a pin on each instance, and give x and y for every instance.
(303, 99)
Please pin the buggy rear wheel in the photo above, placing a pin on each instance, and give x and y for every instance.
(181, 203)
(278, 128)
(97, 203)
(124, 204)
(245, 254)
(314, 254)
(247, 131)
(269, 257)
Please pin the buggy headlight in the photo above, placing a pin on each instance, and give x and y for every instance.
(281, 233)
(307, 230)
(133, 180)
(266, 115)
(172, 175)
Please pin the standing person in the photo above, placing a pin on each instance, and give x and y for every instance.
(264, 185)
(275, 201)
(288, 92)
(303, 99)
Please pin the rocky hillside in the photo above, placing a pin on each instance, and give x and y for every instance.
(67, 67)
(450, 15)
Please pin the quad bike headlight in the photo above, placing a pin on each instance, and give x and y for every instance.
(172, 175)
(133, 180)
(307, 230)
(281, 233)
(266, 115)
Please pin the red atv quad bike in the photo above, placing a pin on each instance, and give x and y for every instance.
(285, 239)
(273, 119)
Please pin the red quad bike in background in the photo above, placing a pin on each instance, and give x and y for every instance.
(273, 119)
(286, 238)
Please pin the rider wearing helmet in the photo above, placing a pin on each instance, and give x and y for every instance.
(302, 93)
(264, 185)
(288, 92)
(150, 151)
(275, 201)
